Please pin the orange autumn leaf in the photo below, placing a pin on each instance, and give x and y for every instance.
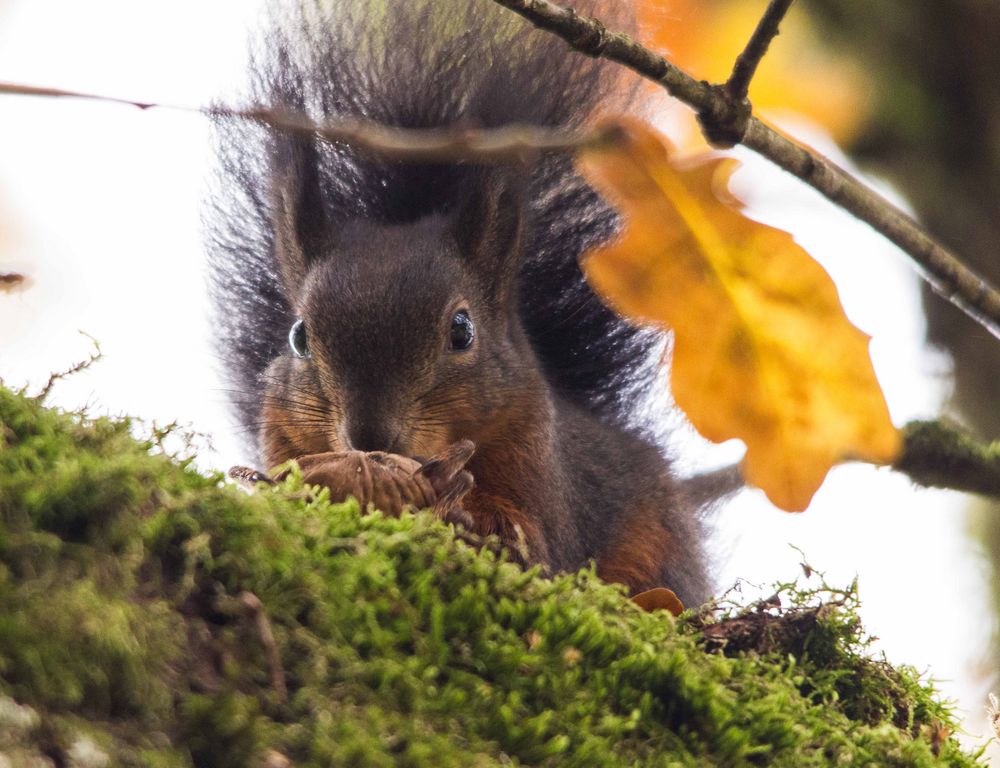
(762, 350)
(799, 73)
(659, 599)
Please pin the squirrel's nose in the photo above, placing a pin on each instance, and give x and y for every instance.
(368, 436)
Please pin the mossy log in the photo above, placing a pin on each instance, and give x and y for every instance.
(152, 615)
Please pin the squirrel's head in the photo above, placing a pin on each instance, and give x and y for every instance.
(405, 337)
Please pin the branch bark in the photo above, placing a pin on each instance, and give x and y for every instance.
(936, 455)
(738, 84)
(727, 122)
(514, 143)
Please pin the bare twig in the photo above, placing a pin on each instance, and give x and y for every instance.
(17, 89)
(509, 143)
(506, 144)
(80, 366)
(738, 83)
(727, 122)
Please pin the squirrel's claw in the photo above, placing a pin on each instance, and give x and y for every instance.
(449, 504)
(443, 468)
(450, 480)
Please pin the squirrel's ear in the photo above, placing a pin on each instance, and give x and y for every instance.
(489, 228)
(298, 214)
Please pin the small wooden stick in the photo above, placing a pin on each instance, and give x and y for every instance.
(747, 62)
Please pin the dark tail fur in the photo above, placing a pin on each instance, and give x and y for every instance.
(417, 63)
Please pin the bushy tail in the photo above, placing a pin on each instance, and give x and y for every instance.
(418, 63)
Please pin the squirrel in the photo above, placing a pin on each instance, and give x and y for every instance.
(380, 305)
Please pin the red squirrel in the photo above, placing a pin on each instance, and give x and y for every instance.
(394, 306)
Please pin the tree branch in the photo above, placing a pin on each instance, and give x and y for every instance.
(726, 122)
(512, 143)
(939, 456)
(738, 84)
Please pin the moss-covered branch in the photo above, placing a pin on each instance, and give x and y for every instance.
(126, 635)
(936, 455)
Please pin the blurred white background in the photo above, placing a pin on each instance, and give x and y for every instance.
(100, 207)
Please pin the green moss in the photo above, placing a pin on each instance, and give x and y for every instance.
(122, 616)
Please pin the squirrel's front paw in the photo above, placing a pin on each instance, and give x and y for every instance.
(451, 481)
(389, 482)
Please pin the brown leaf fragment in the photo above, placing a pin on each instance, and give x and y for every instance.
(659, 599)
(13, 281)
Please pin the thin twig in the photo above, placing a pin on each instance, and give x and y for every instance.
(738, 84)
(80, 366)
(948, 276)
(727, 122)
(17, 89)
(496, 145)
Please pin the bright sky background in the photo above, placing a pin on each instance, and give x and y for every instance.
(99, 205)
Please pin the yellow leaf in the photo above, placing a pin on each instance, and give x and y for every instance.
(762, 349)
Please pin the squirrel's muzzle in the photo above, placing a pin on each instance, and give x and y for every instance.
(373, 433)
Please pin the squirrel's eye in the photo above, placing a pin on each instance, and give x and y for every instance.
(462, 331)
(297, 339)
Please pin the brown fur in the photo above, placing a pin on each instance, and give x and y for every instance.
(512, 465)
(637, 555)
(557, 484)
(375, 257)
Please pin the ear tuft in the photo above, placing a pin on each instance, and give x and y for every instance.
(490, 226)
(299, 219)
